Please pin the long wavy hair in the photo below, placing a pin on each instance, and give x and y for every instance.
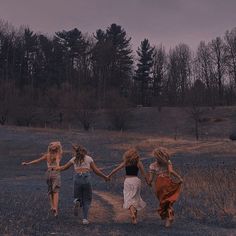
(162, 156)
(54, 151)
(80, 153)
(131, 157)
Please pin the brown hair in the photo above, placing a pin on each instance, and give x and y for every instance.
(162, 155)
(54, 151)
(80, 153)
(131, 157)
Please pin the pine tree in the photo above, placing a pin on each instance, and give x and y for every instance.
(121, 57)
(144, 71)
(74, 48)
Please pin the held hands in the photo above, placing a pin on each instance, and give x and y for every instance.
(107, 178)
(149, 183)
(58, 168)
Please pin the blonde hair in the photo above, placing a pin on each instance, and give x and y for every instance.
(131, 157)
(162, 155)
(80, 153)
(54, 151)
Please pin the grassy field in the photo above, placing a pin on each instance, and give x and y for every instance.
(207, 205)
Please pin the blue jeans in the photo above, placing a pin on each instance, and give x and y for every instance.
(83, 191)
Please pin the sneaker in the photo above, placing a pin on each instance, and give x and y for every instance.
(85, 222)
(76, 208)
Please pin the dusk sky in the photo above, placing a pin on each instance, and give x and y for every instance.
(161, 21)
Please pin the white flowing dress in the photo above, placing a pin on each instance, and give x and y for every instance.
(132, 189)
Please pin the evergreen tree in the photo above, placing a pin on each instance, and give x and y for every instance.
(101, 59)
(121, 58)
(74, 48)
(144, 71)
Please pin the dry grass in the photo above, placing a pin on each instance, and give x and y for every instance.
(209, 195)
(208, 199)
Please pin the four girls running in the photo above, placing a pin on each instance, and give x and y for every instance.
(167, 181)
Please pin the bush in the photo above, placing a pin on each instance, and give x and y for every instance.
(85, 109)
(118, 111)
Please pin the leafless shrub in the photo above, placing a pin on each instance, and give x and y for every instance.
(195, 113)
(195, 102)
(118, 111)
(85, 108)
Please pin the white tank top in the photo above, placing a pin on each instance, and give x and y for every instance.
(85, 164)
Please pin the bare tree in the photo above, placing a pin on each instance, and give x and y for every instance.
(179, 73)
(230, 41)
(204, 72)
(195, 109)
(159, 74)
(85, 108)
(218, 57)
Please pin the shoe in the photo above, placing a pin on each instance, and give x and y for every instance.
(76, 208)
(85, 222)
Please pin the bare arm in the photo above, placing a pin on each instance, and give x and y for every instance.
(174, 173)
(151, 177)
(121, 166)
(43, 158)
(141, 168)
(97, 171)
(64, 167)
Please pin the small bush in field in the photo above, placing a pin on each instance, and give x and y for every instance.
(118, 111)
(85, 109)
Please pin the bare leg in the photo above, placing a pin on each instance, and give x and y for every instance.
(167, 223)
(55, 203)
(133, 214)
(51, 201)
(170, 218)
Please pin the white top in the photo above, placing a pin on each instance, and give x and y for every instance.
(156, 169)
(85, 164)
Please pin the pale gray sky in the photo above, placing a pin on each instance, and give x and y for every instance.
(161, 21)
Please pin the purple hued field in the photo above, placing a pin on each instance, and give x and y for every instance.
(207, 205)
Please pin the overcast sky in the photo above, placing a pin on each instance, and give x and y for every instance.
(161, 21)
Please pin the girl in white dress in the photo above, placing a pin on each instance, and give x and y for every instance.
(132, 184)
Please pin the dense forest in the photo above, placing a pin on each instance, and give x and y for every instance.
(47, 80)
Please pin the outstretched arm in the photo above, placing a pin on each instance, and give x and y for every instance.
(43, 158)
(97, 171)
(119, 167)
(64, 167)
(174, 173)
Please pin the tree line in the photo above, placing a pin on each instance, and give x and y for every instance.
(73, 72)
